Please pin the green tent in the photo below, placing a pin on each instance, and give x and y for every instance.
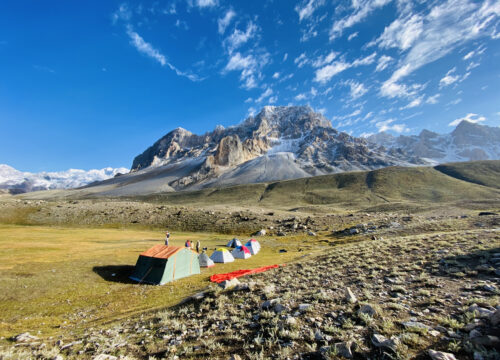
(162, 264)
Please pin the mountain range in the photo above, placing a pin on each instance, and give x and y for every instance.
(286, 142)
(467, 142)
(279, 143)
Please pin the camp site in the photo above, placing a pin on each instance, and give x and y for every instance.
(99, 263)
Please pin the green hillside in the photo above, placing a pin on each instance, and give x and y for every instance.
(485, 173)
(387, 185)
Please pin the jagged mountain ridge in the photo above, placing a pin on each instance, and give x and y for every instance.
(281, 142)
(467, 142)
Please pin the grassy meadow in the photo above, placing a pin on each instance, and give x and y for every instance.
(55, 279)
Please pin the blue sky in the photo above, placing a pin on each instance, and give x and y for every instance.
(92, 84)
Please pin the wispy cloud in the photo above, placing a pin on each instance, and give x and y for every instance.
(451, 77)
(225, 21)
(471, 117)
(307, 8)
(433, 99)
(144, 47)
(383, 62)
(445, 27)
(352, 36)
(361, 10)
(203, 3)
(387, 125)
(414, 103)
(267, 93)
(147, 49)
(239, 37)
(356, 89)
(249, 67)
(325, 73)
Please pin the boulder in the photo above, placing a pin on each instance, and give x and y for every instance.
(440, 355)
(381, 341)
(349, 296)
(344, 349)
(368, 310)
(25, 337)
(226, 284)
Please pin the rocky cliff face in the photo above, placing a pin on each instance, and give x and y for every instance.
(467, 142)
(295, 140)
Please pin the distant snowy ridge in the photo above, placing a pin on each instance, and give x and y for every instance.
(19, 181)
(467, 142)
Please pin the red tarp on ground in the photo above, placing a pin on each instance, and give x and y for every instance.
(228, 276)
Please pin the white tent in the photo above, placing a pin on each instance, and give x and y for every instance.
(241, 252)
(205, 261)
(253, 245)
(234, 243)
(222, 256)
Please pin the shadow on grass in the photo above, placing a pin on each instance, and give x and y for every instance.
(115, 273)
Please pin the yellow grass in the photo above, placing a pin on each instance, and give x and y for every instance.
(55, 279)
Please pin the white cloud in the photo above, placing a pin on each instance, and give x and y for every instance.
(367, 60)
(307, 8)
(301, 60)
(361, 10)
(249, 67)
(401, 33)
(366, 134)
(264, 95)
(387, 125)
(309, 33)
(468, 55)
(472, 65)
(144, 47)
(204, 3)
(224, 22)
(414, 103)
(276, 75)
(356, 89)
(238, 37)
(252, 111)
(445, 27)
(123, 13)
(433, 99)
(301, 97)
(383, 62)
(472, 118)
(323, 60)
(449, 78)
(285, 57)
(325, 73)
(352, 36)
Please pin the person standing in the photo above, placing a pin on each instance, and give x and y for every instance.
(188, 244)
(167, 238)
(198, 245)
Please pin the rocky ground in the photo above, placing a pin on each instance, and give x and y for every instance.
(232, 219)
(391, 285)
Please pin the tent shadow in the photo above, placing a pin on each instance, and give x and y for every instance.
(115, 273)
